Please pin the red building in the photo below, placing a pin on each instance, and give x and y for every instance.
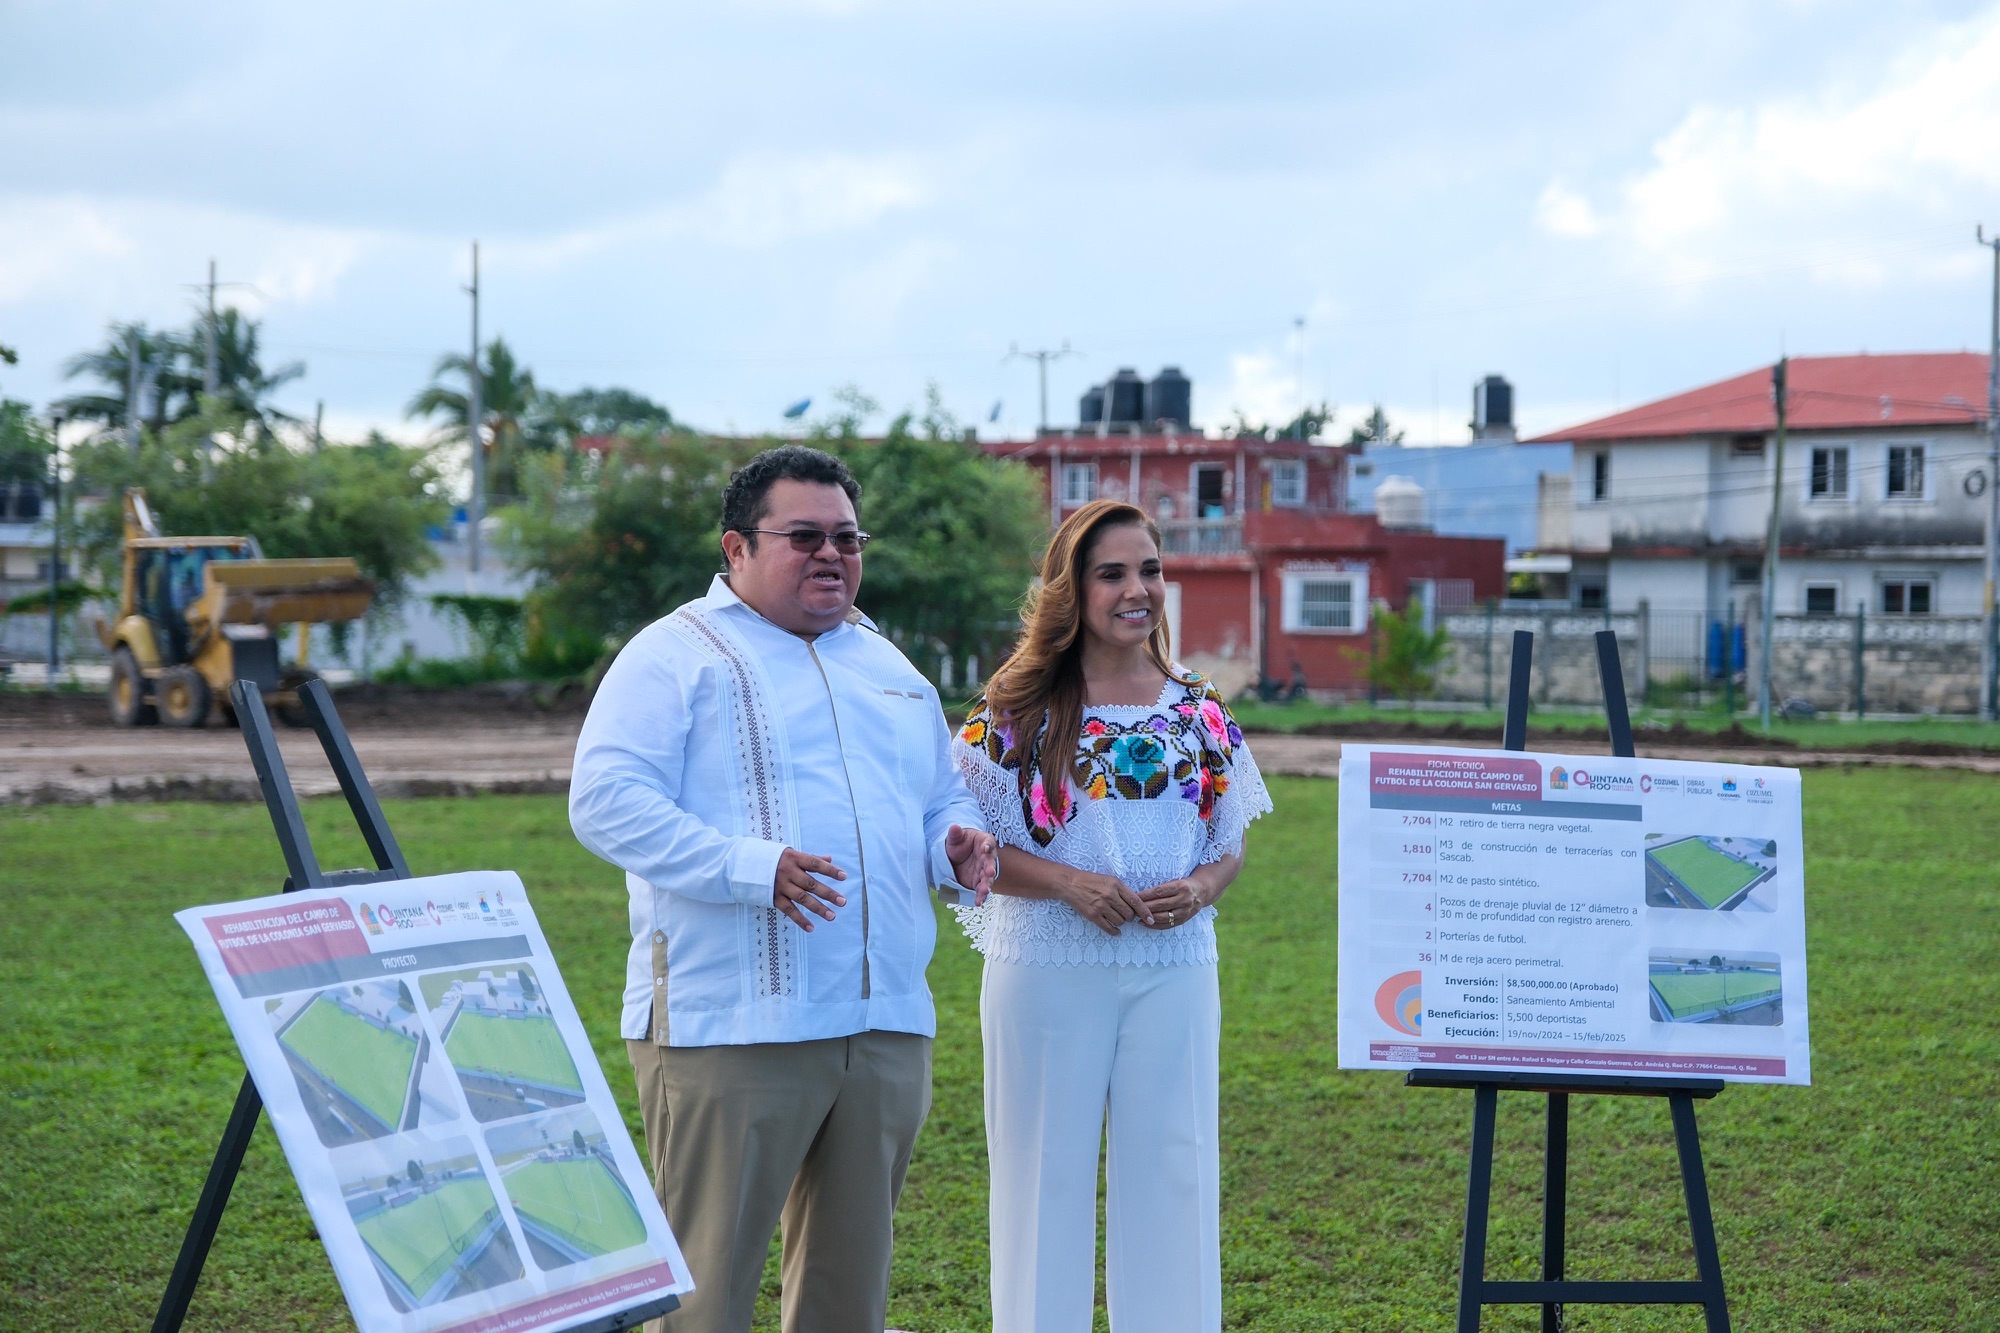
(1267, 574)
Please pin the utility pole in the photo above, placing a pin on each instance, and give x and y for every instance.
(319, 419)
(1989, 640)
(475, 417)
(132, 388)
(1041, 357)
(211, 375)
(55, 544)
(1299, 323)
(1769, 611)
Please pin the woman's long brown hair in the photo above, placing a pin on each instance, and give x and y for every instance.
(1039, 691)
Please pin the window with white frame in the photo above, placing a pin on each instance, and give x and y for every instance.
(1079, 484)
(1288, 483)
(1908, 595)
(1906, 472)
(1325, 601)
(1822, 599)
(1827, 479)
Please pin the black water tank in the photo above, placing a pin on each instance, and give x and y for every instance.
(1169, 397)
(1091, 406)
(1125, 397)
(1492, 403)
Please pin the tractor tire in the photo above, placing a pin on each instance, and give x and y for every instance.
(182, 697)
(293, 713)
(129, 707)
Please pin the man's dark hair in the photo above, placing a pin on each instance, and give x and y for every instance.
(747, 499)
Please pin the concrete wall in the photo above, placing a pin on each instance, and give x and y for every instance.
(1480, 655)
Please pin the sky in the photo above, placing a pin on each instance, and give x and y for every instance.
(733, 207)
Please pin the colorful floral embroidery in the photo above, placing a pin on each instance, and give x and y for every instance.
(1181, 751)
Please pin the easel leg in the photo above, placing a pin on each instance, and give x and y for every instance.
(208, 1211)
(1478, 1199)
(1701, 1224)
(1555, 1203)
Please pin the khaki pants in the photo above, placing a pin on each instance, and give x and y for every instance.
(813, 1134)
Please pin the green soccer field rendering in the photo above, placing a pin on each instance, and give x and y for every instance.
(572, 1207)
(434, 1238)
(502, 1041)
(1739, 989)
(356, 1053)
(1706, 873)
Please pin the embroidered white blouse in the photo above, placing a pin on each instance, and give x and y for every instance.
(1155, 791)
(717, 740)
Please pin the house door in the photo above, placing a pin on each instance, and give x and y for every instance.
(1424, 593)
(1208, 501)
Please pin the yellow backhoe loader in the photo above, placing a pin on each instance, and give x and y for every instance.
(198, 614)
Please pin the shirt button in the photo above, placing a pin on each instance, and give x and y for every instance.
(659, 937)
(659, 981)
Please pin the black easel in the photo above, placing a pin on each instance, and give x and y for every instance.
(303, 872)
(1475, 1289)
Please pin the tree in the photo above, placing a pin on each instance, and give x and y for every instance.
(1405, 652)
(1715, 961)
(25, 444)
(414, 1170)
(606, 411)
(242, 385)
(958, 535)
(576, 1142)
(507, 399)
(1307, 425)
(374, 501)
(1375, 430)
(173, 363)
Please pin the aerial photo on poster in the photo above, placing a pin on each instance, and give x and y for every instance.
(361, 1059)
(502, 1040)
(1705, 873)
(567, 1193)
(429, 1219)
(1694, 987)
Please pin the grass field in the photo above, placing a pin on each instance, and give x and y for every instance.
(1692, 993)
(1868, 1202)
(423, 1238)
(526, 1048)
(579, 1201)
(1711, 876)
(368, 1063)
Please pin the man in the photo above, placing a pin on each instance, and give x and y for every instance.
(774, 777)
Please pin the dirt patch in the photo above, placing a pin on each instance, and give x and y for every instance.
(360, 705)
(1678, 736)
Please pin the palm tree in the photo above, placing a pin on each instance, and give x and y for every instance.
(163, 358)
(241, 382)
(507, 395)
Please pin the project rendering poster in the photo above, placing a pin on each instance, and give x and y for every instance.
(1580, 914)
(440, 1106)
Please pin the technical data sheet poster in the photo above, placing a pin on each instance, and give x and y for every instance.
(1582, 914)
(440, 1106)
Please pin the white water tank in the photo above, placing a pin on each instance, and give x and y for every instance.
(1399, 503)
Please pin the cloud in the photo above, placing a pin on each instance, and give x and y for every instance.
(1916, 146)
(1263, 387)
(97, 251)
(759, 202)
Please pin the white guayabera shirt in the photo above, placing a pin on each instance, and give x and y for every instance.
(1155, 790)
(716, 741)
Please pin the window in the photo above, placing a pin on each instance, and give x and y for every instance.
(1906, 472)
(1325, 603)
(1288, 482)
(1600, 476)
(1592, 592)
(1829, 474)
(1906, 597)
(1746, 571)
(1079, 484)
(1746, 446)
(1822, 599)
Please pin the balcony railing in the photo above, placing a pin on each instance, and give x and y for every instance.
(1201, 536)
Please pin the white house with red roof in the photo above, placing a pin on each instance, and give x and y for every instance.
(1883, 505)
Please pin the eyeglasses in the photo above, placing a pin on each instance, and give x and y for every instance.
(807, 541)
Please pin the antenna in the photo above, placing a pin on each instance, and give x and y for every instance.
(1041, 356)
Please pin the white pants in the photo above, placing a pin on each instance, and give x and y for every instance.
(1063, 1044)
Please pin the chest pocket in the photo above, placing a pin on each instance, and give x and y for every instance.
(912, 723)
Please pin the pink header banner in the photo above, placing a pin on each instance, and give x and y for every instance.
(1474, 777)
(1664, 1063)
(268, 940)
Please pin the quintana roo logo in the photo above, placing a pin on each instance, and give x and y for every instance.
(1400, 1002)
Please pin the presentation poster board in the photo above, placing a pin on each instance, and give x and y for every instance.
(1571, 914)
(440, 1106)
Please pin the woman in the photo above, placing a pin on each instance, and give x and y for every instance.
(1120, 789)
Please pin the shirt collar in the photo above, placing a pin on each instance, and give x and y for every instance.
(721, 597)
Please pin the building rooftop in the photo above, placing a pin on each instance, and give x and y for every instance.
(1862, 391)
